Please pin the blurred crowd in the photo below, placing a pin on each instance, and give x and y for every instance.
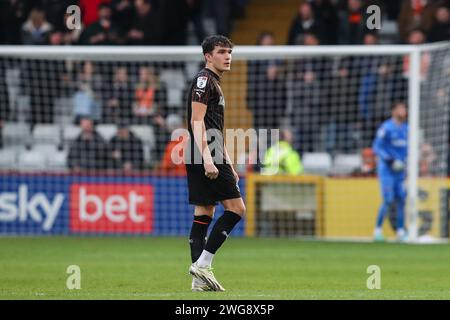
(116, 22)
(181, 22)
(323, 104)
(345, 22)
(335, 104)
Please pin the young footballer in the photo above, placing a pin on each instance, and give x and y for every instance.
(211, 177)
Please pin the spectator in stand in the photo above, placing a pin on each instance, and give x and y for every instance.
(102, 32)
(440, 29)
(119, 105)
(427, 158)
(42, 83)
(149, 97)
(305, 21)
(144, 29)
(174, 21)
(266, 95)
(369, 162)
(266, 91)
(36, 30)
(196, 16)
(352, 23)
(172, 162)
(339, 114)
(380, 84)
(55, 11)
(123, 13)
(281, 158)
(306, 84)
(88, 95)
(415, 14)
(89, 151)
(417, 36)
(390, 8)
(127, 151)
(89, 8)
(325, 11)
(221, 12)
(65, 36)
(13, 14)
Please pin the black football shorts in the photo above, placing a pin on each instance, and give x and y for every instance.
(204, 191)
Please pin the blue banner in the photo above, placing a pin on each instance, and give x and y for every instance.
(50, 204)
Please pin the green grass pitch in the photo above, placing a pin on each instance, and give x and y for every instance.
(249, 268)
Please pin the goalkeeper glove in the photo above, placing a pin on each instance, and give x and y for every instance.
(398, 165)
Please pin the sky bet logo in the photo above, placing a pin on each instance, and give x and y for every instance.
(110, 208)
(24, 206)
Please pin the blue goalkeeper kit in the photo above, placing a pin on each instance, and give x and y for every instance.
(391, 148)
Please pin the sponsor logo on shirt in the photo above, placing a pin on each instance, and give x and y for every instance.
(201, 82)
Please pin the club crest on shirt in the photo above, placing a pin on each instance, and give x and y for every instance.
(201, 82)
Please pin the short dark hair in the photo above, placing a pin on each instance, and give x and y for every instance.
(213, 41)
(264, 34)
(397, 103)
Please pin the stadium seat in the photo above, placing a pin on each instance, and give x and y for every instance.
(71, 132)
(145, 133)
(317, 163)
(345, 164)
(389, 33)
(107, 131)
(16, 133)
(64, 111)
(32, 160)
(58, 161)
(8, 158)
(175, 83)
(46, 148)
(47, 134)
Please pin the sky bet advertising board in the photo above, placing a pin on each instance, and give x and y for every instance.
(41, 205)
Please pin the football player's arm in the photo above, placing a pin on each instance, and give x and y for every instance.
(199, 131)
(380, 145)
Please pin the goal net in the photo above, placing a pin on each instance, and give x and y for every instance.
(91, 138)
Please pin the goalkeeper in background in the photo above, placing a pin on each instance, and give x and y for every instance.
(391, 148)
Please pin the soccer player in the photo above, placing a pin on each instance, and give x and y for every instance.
(211, 179)
(391, 148)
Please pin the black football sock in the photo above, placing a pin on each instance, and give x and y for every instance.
(221, 230)
(197, 238)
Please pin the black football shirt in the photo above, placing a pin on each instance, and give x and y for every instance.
(205, 89)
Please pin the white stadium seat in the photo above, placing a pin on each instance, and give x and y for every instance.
(345, 164)
(47, 133)
(71, 132)
(145, 133)
(317, 162)
(32, 160)
(16, 133)
(58, 160)
(8, 158)
(107, 131)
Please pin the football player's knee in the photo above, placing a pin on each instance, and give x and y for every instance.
(388, 198)
(401, 200)
(205, 210)
(240, 209)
